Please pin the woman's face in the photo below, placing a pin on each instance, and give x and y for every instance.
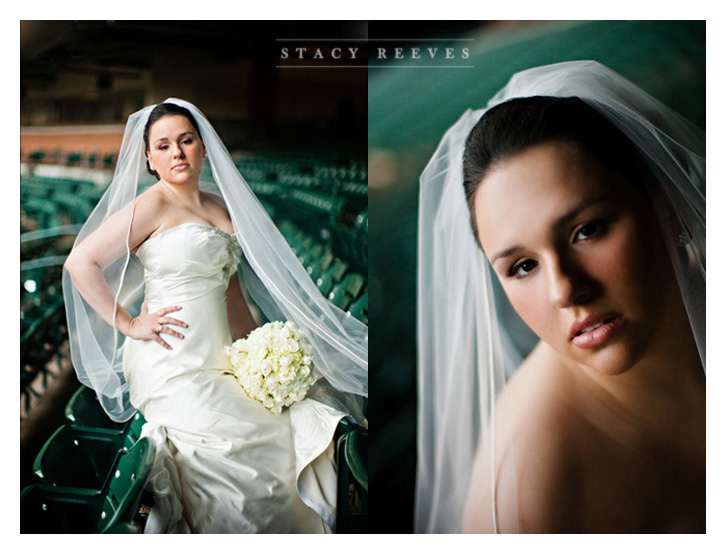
(176, 151)
(579, 253)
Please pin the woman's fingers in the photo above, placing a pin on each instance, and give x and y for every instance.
(160, 324)
(166, 321)
(161, 341)
(172, 321)
(168, 309)
(172, 332)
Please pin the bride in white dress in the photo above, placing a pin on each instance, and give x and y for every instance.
(224, 463)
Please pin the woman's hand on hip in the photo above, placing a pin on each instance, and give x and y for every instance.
(148, 326)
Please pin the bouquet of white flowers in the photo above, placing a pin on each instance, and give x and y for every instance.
(273, 365)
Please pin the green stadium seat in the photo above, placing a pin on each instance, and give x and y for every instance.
(109, 160)
(331, 276)
(359, 308)
(85, 410)
(325, 283)
(312, 253)
(74, 158)
(320, 264)
(361, 220)
(352, 462)
(54, 509)
(301, 243)
(133, 429)
(347, 290)
(78, 457)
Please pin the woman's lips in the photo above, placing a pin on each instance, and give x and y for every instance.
(595, 330)
(179, 167)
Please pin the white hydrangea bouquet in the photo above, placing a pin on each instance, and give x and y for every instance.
(273, 364)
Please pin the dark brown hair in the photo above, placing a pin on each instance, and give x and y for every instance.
(509, 128)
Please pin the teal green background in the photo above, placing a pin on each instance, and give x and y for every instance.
(409, 109)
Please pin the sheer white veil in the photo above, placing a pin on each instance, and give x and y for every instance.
(271, 274)
(469, 339)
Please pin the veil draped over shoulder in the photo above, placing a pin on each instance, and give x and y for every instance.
(469, 338)
(271, 274)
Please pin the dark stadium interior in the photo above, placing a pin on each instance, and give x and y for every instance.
(296, 134)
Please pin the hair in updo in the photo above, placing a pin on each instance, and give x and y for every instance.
(160, 111)
(509, 128)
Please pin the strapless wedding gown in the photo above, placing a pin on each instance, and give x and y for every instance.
(224, 464)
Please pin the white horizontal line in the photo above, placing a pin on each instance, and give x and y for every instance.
(420, 66)
(379, 39)
(322, 66)
(375, 66)
(422, 39)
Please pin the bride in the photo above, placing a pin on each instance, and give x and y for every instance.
(580, 212)
(153, 297)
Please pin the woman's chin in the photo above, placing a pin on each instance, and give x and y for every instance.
(613, 360)
(180, 179)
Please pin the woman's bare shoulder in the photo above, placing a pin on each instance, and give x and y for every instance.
(214, 204)
(216, 199)
(151, 208)
(152, 199)
(544, 425)
(218, 212)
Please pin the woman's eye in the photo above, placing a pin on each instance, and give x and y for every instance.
(522, 269)
(589, 230)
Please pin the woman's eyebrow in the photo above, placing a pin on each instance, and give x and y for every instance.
(572, 214)
(506, 253)
(560, 222)
(180, 135)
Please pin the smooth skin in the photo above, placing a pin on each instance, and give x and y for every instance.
(176, 152)
(608, 438)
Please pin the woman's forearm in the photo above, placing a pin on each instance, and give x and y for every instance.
(91, 284)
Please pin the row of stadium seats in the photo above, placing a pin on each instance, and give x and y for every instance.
(91, 160)
(92, 471)
(345, 288)
(47, 202)
(50, 221)
(42, 312)
(302, 172)
(90, 474)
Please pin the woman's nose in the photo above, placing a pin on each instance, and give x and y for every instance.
(568, 284)
(177, 151)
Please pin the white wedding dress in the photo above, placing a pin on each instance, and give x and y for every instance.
(224, 463)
